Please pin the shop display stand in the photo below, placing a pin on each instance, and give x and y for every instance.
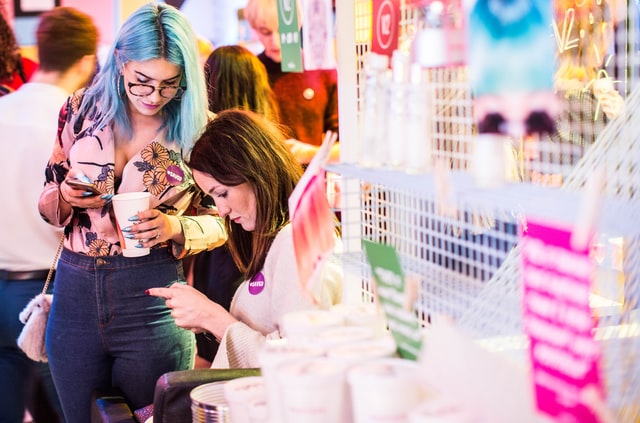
(463, 246)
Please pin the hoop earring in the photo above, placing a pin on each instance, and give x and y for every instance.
(120, 90)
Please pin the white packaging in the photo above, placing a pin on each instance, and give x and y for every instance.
(301, 327)
(270, 357)
(313, 391)
(385, 390)
(240, 392)
(490, 160)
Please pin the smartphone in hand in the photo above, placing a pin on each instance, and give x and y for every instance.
(86, 186)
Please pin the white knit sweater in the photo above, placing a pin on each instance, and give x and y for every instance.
(260, 313)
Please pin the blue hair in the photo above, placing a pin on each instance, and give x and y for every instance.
(154, 31)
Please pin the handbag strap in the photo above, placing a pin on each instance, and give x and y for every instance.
(53, 265)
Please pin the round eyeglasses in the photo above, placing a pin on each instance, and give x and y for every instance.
(143, 90)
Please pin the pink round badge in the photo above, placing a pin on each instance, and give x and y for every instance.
(256, 285)
(175, 175)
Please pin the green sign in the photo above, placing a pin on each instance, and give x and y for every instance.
(290, 47)
(389, 278)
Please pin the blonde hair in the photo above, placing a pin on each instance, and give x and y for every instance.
(592, 31)
(262, 13)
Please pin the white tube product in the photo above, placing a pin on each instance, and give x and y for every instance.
(489, 160)
(396, 136)
(375, 110)
(418, 123)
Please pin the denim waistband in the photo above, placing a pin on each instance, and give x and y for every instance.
(156, 255)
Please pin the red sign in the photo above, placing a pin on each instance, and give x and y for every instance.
(384, 26)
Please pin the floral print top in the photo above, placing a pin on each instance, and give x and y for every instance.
(158, 168)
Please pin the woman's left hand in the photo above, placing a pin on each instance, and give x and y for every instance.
(153, 227)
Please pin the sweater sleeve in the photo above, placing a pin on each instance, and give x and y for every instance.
(243, 340)
(240, 346)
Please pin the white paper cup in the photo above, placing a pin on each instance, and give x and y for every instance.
(240, 392)
(313, 391)
(126, 205)
(302, 326)
(368, 315)
(357, 353)
(353, 354)
(436, 410)
(258, 411)
(270, 357)
(343, 335)
(385, 390)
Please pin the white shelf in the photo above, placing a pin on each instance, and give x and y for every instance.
(559, 205)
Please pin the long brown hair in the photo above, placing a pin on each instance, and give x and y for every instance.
(236, 78)
(241, 146)
(9, 50)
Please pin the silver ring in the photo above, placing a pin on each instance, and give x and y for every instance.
(157, 234)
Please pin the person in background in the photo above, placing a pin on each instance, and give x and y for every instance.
(235, 79)
(67, 42)
(243, 163)
(127, 132)
(590, 97)
(308, 100)
(15, 70)
(205, 47)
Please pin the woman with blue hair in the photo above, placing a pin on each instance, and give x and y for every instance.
(130, 131)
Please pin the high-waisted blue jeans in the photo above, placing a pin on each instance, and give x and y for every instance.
(105, 331)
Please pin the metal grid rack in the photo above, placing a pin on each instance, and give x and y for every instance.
(465, 251)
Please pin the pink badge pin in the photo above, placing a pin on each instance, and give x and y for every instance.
(256, 285)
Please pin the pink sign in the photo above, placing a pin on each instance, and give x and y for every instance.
(312, 219)
(559, 323)
(313, 227)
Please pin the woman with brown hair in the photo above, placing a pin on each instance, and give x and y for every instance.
(236, 78)
(243, 163)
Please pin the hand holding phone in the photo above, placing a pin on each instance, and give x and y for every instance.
(86, 186)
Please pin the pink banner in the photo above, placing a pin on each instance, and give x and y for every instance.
(313, 228)
(564, 355)
(311, 216)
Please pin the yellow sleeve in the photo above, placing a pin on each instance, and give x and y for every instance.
(203, 232)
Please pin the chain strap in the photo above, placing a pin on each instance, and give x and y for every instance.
(53, 265)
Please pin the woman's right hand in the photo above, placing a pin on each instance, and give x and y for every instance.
(194, 311)
(610, 100)
(80, 197)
